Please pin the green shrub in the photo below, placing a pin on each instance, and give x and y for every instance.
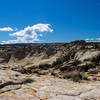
(57, 63)
(45, 66)
(28, 80)
(76, 62)
(65, 68)
(74, 76)
(31, 69)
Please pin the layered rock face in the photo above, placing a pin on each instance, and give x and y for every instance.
(58, 71)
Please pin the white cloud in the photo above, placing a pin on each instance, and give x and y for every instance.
(29, 34)
(98, 39)
(6, 29)
(93, 39)
(89, 39)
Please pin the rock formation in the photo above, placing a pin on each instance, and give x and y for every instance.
(56, 71)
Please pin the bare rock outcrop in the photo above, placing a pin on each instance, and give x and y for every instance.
(16, 86)
(64, 60)
(58, 71)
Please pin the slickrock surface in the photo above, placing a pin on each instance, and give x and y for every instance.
(17, 86)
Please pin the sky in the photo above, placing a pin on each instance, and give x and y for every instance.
(29, 21)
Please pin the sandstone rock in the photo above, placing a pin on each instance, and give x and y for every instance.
(36, 71)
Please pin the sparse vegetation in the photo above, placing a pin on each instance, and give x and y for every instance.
(45, 66)
(27, 80)
(68, 63)
(74, 76)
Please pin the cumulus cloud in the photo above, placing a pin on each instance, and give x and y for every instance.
(29, 34)
(6, 29)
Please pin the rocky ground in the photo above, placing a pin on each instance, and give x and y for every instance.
(64, 71)
(17, 86)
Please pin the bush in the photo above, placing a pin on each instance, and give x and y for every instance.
(31, 69)
(74, 76)
(85, 68)
(65, 68)
(96, 59)
(57, 63)
(76, 62)
(28, 80)
(45, 66)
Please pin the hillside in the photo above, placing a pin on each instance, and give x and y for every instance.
(54, 58)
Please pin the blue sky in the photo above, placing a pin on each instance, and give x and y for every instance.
(69, 19)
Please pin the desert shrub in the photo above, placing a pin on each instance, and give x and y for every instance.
(68, 68)
(86, 59)
(45, 66)
(85, 67)
(84, 76)
(65, 68)
(32, 69)
(29, 71)
(95, 79)
(52, 73)
(35, 69)
(57, 63)
(28, 80)
(96, 59)
(74, 76)
(76, 62)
